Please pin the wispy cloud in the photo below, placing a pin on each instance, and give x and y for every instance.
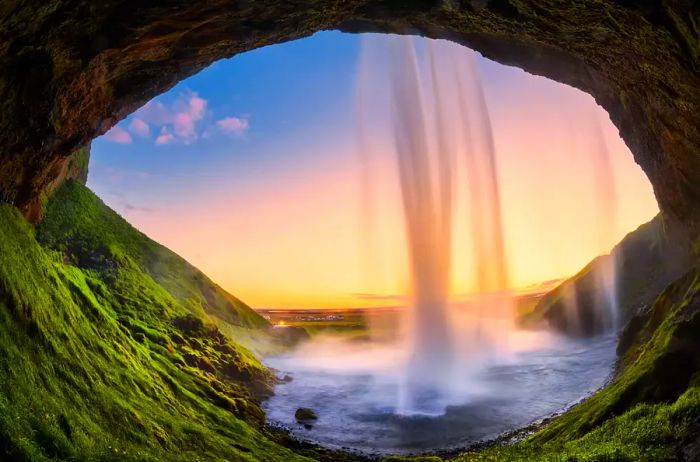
(380, 297)
(117, 134)
(135, 208)
(236, 126)
(165, 137)
(121, 204)
(116, 175)
(139, 128)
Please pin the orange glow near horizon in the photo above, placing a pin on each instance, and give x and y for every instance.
(301, 239)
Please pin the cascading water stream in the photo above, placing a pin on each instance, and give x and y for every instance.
(609, 311)
(429, 152)
(598, 305)
(427, 224)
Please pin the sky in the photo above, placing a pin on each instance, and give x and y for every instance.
(251, 171)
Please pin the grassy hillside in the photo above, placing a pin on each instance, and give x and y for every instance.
(92, 236)
(104, 356)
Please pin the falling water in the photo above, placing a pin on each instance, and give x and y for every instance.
(607, 303)
(593, 307)
(427, 216)
(434, 135)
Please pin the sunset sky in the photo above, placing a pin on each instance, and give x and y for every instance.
(250, 170)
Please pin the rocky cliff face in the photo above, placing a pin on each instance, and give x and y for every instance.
(644, 263)
(74, 167)
(71, 70)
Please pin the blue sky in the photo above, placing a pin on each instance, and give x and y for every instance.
(288, 95)
(250, 171)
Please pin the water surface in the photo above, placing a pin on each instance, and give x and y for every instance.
(356, 390)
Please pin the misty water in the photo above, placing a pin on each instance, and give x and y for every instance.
(448, 374)
(354, 388)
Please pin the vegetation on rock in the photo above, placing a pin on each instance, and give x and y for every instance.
(304, 414)
(102, 360)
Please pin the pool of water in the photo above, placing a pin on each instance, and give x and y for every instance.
(357, 388)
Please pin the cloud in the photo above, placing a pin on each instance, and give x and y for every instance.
(180, 119)
(236, 126)
(155, 112)
(139, 128)
(117, 134)
(135, 208)
(185, 119)
(379, 297)
(165, 137)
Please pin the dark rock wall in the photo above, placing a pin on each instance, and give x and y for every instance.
(645, 262)
(71, 69)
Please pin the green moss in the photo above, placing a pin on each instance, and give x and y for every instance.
(90, 364)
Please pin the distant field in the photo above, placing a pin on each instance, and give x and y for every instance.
(356, 322)
(352, 322)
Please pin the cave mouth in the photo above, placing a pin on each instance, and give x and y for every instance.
(216, 115)
(65, 85)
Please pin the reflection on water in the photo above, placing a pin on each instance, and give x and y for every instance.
(355, 388)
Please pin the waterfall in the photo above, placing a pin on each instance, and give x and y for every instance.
(443, 147)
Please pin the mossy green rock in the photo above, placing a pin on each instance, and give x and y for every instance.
(304, 414)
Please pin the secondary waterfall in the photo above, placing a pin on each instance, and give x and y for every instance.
(444, 150)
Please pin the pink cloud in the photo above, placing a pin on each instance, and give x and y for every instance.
(165, 137)
(155, 112)
(181, 118)
(185, 119)
(139, 128)
(117, 134)
(233, 125)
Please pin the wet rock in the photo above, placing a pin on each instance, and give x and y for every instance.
(306, 416)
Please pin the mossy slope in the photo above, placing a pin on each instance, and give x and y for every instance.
(104, 357)
(92, 236)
